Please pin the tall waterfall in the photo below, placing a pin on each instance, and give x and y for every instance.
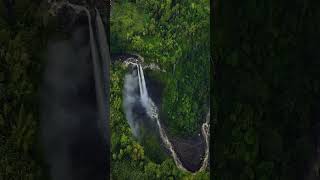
(143, 88)
(100, 60)
(104, 75)
(75, 119)
(152, 112)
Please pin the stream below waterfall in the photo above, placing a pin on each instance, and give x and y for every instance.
(190, 154)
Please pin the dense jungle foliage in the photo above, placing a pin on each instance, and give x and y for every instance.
(266, 87)
(131, 160)
(175, 36)
(23, 35)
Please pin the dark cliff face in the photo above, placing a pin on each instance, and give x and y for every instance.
(68, 18)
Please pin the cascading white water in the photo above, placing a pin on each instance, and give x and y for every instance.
(104, 75)
(139, 79)
(100, 60)
(75, 124)
(143, 89)
(152, 112)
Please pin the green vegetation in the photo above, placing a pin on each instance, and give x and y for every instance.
(266, 89)
(22, 39)
(175, 36)
(130, 159)
(152, 145)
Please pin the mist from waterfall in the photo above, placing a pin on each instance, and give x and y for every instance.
(129, 101)
(74, 126)
(144, 97)
(132, 82)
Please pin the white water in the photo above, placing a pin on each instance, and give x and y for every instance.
(100, 60)
(64, 130)
(205, 130)
(152, 112)
(104, 63)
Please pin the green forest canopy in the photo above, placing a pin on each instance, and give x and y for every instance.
(175, 36)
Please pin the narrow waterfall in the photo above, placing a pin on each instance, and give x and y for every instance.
(104, 74)
(100, 60)
(143, 88)
(139, 79)
(73, 116)
(152, 112)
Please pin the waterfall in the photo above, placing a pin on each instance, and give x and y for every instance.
(143, 88)
(152, 112)
(100, 60)
(104, 75)
(72, 123)
(139, 79)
